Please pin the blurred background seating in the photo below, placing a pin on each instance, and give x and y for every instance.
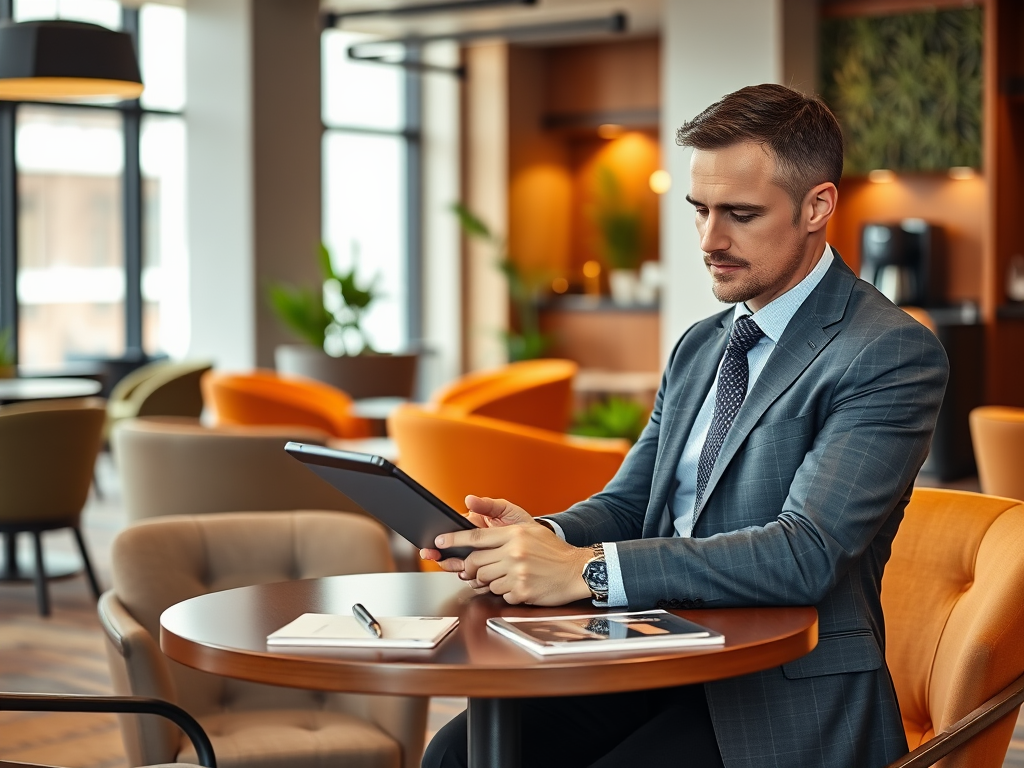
(998, 436)
(264, 398)
(535, 393)
(48, 452)
(158, 389)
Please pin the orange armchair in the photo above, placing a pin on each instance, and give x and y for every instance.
(998, 436)
(263, 397)
(536, 393)
(951, 596)
(543, 472)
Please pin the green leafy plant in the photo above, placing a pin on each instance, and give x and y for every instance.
(526, 342)
(7, 357)
(907, 89)
(614, 417)
(327, 318)
(620, 225)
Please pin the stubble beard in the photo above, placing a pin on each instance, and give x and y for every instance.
(746, 285)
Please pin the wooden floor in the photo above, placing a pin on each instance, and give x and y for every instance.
(65, 654)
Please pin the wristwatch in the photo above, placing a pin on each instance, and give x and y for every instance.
(595, 574)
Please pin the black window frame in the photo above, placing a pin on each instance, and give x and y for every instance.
(132, 114)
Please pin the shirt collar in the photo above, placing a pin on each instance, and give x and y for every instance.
(774, 316)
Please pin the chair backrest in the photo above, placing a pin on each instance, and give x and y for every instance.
(998, 436)
(163, 561)
(176, 466)
(542, 471)
(954, 615)
(922, 316)
(47, 456)
(535, 393)
(263, 397)
(160, 389)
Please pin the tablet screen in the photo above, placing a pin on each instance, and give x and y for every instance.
(386, 493)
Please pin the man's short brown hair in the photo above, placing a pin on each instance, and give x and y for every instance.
(801, 132)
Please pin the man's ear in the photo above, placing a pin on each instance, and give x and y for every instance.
(820, 204)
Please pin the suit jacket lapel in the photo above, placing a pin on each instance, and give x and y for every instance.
(811, 328)
(683, 400)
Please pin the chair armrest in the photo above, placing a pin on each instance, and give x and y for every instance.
(940, 745)
(142, 660)
(138, 705)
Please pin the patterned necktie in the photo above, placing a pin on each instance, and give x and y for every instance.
(732, 389)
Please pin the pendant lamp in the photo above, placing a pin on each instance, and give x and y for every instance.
(57, 60)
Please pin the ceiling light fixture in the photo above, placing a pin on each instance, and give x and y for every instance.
(422, 8)
(57, 60)
(380, 50)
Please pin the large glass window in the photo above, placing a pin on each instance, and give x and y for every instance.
(365, 160)
(71, 283)
(74, 211)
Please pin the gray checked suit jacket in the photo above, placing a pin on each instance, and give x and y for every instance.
(801, 509)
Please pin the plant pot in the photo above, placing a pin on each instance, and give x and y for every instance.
(8, 371)
(623, 284)
(360, 376)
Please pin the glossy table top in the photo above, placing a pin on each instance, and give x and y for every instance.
(225, 633)
(46, 389)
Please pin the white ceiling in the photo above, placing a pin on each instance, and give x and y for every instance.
(644, 16)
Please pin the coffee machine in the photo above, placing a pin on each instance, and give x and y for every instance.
(904, 261)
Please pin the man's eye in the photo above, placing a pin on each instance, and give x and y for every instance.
(703, 212)
(743, 218)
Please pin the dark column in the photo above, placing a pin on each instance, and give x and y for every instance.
(414, 192)
(8, 211)
(131, 189)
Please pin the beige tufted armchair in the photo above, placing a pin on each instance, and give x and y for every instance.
(160, 562)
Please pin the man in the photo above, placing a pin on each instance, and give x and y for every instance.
(780, 454)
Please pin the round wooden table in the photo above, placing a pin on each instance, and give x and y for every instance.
(225, 633)
(12, 390)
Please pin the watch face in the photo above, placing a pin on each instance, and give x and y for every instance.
(596, 575)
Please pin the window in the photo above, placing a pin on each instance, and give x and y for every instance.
(368, 150)
(100, 261)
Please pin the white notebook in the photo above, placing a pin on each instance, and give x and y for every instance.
(334, 631)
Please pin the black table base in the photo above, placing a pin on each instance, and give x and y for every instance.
(493, 733)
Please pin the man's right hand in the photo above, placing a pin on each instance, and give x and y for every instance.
(488, 513)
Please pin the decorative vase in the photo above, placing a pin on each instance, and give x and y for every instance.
(623, 284)
(361, 376)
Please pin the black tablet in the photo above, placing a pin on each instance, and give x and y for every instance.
(387, 493)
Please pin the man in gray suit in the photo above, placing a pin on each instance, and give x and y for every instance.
(779, 457)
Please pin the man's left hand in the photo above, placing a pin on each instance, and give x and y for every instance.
(524, 562)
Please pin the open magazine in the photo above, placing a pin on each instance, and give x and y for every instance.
(637, 630)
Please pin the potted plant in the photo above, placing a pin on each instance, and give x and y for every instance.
(338, 351)
(620, 229)
(8, 364)
(525, 342)
(614, 417)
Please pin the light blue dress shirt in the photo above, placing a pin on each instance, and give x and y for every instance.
(772, 319)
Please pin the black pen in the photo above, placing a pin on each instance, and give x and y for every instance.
(365, 618)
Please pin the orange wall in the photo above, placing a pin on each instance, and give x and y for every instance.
(959, 206)
(632, 157)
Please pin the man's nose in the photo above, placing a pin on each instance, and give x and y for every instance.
(714, 237)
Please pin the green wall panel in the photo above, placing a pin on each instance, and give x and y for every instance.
(907, 89)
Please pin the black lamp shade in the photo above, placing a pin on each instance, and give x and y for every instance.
(66, 61)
